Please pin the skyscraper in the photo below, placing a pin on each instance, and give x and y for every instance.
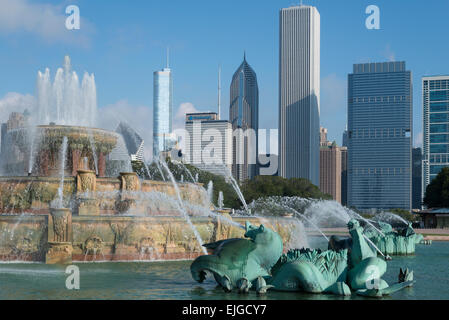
(435, 127)
(379, 136)
(330, 167)
(299, 93)
(244, 116)
(199, 127)
(344, 142)
(162, 111)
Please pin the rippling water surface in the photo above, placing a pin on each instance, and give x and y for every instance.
(172, 280)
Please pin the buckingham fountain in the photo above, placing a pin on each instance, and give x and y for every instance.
(67, 193)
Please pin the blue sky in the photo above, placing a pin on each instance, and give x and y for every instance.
(123, 42)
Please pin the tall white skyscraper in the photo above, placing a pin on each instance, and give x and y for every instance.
(162, 111)
(299, 93)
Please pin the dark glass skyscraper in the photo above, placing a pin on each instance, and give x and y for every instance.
(379, 136)
(435, 126)
(244, 115)
(417, 178)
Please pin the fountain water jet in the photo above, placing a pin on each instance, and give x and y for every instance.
(220, 200)
(63, 156)
(210, 191)
(94, 151)
(180, 206)
(230, 179)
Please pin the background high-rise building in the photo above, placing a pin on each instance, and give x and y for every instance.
(417, 178)
(330, 167)
(198, 124)
(344, 142)
(244, 114)
(323, 137)
(379, 135)
(299, 93)
(162, 111)
(435, 127)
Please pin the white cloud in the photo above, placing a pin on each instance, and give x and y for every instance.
(418, 140)
(44, 20)
(15, 102)
(180, 117)
(139, 117)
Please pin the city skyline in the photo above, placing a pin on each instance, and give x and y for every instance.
(134, 50)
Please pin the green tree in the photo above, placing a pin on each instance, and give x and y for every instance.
(266, 186)
(437, 192)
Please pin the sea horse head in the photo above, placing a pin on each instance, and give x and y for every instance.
(268, 242)
(360, 249)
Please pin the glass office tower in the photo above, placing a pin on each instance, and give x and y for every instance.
(162, 111)
(244, 115)
(417, 178)
(435, 126)
(380, 136)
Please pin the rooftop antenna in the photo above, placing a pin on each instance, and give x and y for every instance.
(219, 91)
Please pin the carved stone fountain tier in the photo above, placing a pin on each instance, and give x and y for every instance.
(59, 236)
(86, 186)
(112, 219)
(47, 141)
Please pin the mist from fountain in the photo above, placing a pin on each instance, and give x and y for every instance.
(181, 208)
(389, 217)
(206, 212)
(297, 214)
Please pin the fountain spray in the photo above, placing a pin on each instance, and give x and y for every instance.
(181, 208)
(63, 155)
